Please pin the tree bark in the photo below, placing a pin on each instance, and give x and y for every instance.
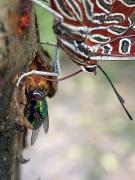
(19, 49)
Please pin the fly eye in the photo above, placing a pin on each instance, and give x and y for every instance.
(37, 97)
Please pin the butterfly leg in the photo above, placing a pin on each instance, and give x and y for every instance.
(56, 61)
(59, 17)
(35, 72)
(54, 13)
(57, 69)
(49, 44)
(46, 1)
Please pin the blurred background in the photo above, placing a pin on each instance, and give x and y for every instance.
(90, 136)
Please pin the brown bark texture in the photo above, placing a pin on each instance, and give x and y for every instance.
(20, 51)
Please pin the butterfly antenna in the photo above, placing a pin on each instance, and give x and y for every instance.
(121, 100)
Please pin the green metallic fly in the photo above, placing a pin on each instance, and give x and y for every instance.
(36, 112)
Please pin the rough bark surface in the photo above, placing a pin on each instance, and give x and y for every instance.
(19, 47)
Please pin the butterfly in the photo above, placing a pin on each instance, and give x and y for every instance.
(94, 30)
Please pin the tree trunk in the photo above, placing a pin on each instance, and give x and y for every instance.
(19, 50)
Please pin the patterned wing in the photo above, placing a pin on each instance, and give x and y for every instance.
(96, 29)
(112, 30)
(72, 26)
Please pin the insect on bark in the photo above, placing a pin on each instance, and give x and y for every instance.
(36, 112)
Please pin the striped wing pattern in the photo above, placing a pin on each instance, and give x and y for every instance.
(95, 30)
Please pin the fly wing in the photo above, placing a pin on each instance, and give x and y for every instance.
(34, 135)
(46, 124)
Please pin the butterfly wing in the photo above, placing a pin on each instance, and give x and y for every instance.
(69, 9)
(112, 29)
(93, 29)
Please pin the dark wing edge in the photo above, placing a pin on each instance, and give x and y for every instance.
(46, 124)
(34, 136)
